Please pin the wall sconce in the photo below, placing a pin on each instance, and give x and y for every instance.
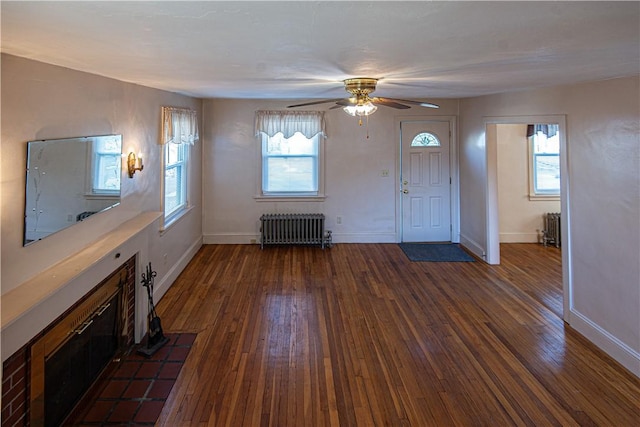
(134, 163)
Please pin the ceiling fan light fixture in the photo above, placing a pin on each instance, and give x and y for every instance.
(360, 104)
(364, 109)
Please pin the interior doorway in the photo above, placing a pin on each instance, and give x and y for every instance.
(492, 200)
(528, 180)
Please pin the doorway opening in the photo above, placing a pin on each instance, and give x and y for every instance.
(532, 197)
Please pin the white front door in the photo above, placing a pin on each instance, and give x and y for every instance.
(425, 181)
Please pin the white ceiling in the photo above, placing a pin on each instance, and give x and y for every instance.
(303, 49)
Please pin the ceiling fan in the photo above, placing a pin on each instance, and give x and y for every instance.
(360, 103)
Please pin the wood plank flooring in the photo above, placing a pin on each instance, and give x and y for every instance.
(358, 335)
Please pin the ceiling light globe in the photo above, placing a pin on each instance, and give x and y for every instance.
(365, 109)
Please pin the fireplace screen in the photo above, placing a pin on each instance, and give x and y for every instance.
(68, 358)
(74, 367)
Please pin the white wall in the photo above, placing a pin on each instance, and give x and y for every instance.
(603, 150)
(42, 101)
(520, 218)
(354, 186)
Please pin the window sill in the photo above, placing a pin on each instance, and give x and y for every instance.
(97, 196)
(544, 198)
(318, 198)
(173, 219)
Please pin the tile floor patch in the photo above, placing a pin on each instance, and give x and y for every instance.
(135, 393)
(170, 370)
(124, 410)
(114, 389)
(149, 411)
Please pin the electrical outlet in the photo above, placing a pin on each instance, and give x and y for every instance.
(385, 172)
(252, 241)
(338, 219)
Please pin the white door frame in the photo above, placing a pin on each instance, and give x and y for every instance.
(453, 170)
(492, 225)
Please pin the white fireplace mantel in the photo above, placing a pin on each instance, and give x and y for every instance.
(36, 303)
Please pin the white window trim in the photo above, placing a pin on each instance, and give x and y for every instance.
(174, 219)
(533, 196)
(290, 197)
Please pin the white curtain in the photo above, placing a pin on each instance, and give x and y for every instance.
(309, 123)
(179, 126)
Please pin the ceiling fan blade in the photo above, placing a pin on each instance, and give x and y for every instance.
(408, 101)
(387, 102)
(324, 101)
(345, 102)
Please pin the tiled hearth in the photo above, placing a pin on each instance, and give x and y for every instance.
(135, 393)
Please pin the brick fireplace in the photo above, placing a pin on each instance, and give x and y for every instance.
(23, 379)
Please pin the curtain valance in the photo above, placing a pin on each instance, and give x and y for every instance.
(179, 126)
(308, 123)
(549, 130)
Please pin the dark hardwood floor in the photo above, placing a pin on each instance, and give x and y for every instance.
(359, 335)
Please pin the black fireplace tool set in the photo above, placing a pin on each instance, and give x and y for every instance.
(155, 337)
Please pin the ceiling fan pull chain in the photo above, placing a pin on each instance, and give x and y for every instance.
(367, 127)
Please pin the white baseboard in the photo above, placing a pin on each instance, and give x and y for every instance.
(363, 237)
(230, 239)
(473, 246)
(160, 288)
(165, 283)
(519, 237)
(248, 238)
(622, 353)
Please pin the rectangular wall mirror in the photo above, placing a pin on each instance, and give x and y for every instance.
(69, 180)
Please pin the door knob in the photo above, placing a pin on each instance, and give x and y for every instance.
(405, 191)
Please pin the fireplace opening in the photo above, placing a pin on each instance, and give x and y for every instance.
(68, 358)
(72, 369)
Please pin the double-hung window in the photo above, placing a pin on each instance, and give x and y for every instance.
(290, 154)
(175, 178)
(544, 150)
(179, 133)
(290, 165)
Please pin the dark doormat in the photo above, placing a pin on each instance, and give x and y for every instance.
(435, 252)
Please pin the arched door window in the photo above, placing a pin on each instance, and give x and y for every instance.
(425, 139)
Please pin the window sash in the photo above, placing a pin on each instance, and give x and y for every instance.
(544, 167)
(175, 179)
(274, 183)
(542, 182)
(281, 183)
